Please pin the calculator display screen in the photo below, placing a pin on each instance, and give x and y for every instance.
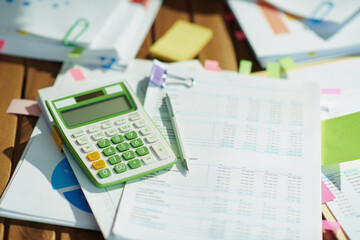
(96, 110)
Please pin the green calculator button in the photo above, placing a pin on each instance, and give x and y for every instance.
(109, 151)
(128, 155)
(136, 143)
(120, 168)
(131, 135)
(104, 173)
(114, 159)
(103, 143)
(134, 163)
(122, 147)
(117, 139)
(142, 151)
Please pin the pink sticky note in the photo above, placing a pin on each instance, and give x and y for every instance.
(334, 226)
(240, 35)
(77, 74)
(331, 91)
(143, 2)
(326, 194)
(229, 17)
(24, 107)
(212, 65)
(2, 43)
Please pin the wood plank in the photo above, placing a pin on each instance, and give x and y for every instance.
(210, 14)
(2, 228)
(39, 74)
(66, 233)
(168, 14)
(145, 47)
(20, 229)
(11, 82)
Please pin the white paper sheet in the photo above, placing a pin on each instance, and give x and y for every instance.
(53, 19)
(339, 82)
(254, 150)
(332, 11)
(44, 188)
(302, 40)
(344, 182)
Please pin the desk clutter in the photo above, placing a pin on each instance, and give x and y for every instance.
(232, 155)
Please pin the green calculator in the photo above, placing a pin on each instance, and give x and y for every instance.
(109, 133)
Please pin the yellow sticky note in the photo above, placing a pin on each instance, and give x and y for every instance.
(76, 53)
(56, 137)
(340, 139)
(245, 67)
(287, 63)
(273, 69)
(183, 41)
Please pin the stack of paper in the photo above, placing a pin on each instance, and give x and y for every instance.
(254, 150)
(274, 34)
(95, 32)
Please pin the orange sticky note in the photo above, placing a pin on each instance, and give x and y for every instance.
(326, 194)
(212, 65)
(2, 43)
(273, 18)
(24, 107)
(77, 74)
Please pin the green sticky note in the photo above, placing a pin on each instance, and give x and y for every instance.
(340, 139)
(273, 69)
(245, 67)
(287, 63)
(76, 53)
(183, 41)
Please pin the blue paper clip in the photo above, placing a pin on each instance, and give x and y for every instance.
(110, 64)
(328, 5)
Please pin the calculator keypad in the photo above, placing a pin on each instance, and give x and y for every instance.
(120, 145)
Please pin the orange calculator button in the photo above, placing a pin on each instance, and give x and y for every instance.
(93, 156)
(99, 164)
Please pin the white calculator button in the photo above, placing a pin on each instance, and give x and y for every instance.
(151, 138)
(134, 116)
(88, 148)
(111, 132)
(105, 125)
(145, 131)
(125, 128)
(120, 121)
(148, 159)
(160, 150)
(78, 133)
(139, 123)
(93, 129)
(98, 136)
(82, 140)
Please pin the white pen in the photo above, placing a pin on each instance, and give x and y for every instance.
(176, 131)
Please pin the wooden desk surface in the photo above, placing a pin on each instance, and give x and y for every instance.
(21, 78)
